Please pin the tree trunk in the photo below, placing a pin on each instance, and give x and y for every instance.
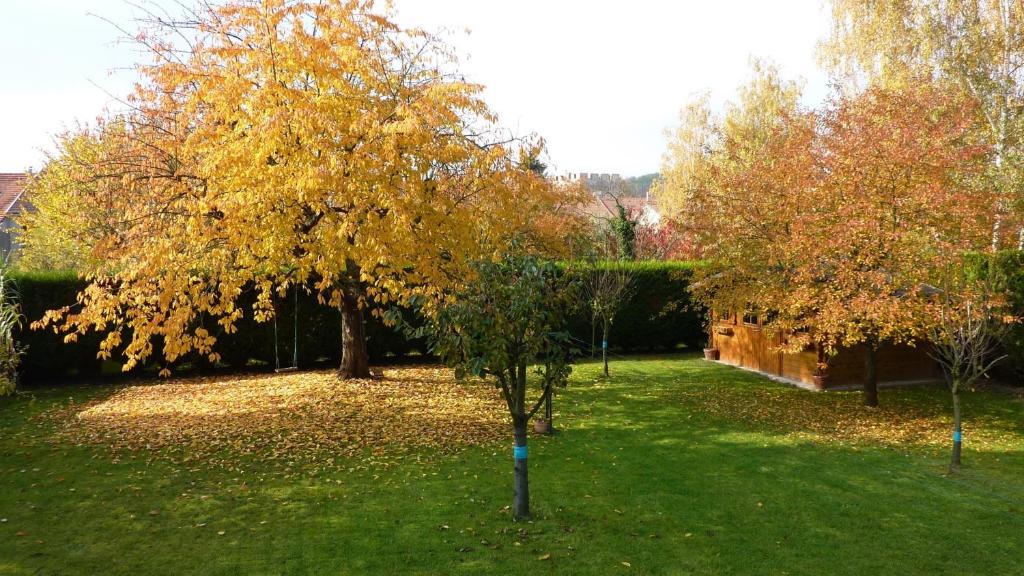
(355, 359)
(954, 462)
(593, 335)
(521, 495)
(604, 346)
(871, 375)
(549, 412)
(997, 224)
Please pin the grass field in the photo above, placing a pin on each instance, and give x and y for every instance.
(674, 466)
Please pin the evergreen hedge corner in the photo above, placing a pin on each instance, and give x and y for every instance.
(46, 354)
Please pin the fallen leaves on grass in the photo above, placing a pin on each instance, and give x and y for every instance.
(305, 416)
(901, 420)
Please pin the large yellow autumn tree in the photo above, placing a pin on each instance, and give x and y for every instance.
(274, 143)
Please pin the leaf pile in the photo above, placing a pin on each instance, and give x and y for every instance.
(900, 421)
(300, 417)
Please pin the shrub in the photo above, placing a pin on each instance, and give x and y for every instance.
(10, 319)
(1012, 265)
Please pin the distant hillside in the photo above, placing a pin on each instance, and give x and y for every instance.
(639, 185)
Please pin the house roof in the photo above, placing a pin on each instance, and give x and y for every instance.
(602, 206)
(12, 186)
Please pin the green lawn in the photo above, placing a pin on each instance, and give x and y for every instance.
(674, 466)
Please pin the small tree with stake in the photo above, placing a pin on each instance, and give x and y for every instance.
(510, 318)
(606, 286)
(968, 321)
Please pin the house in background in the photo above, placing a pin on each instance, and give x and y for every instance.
(605, 207)
(610, 190)
(12, 202)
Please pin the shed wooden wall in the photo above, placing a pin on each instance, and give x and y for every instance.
(752, 346)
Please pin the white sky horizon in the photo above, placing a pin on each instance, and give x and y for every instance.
(599, 82)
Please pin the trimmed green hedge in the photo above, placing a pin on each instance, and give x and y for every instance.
(657, 316)
(46, 353)
(1012, 368)
(319, 334)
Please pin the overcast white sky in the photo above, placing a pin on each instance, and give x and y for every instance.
(599, 80)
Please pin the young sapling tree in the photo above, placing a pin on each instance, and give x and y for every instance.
(969, 320)
(605, 287)
(509, 324)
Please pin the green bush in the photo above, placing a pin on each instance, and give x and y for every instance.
(10, 318)
(46, 354)
(1012, 368)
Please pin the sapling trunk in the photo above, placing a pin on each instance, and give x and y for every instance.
(355, 359)
(871, 375)
(954, 461)
(606, 328)
(521, 494)
(549, 414)
(521, 484)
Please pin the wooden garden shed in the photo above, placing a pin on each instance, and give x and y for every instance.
(742, 340)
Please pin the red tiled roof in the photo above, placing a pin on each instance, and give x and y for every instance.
(603, 206)
(12, 185)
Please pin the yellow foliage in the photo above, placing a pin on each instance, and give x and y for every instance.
(311, 143)
(310, 417)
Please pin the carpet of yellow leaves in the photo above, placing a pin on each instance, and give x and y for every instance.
(900, 421)
(291, 418)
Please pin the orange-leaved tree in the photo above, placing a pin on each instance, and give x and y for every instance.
(276, 143)
(735, 184)
(899, 196)
(833, 221)
(972, 47)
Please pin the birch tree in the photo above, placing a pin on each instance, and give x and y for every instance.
(975, 47)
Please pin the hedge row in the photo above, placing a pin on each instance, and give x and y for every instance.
(1012, 368)
(318, 329)
(657, 316)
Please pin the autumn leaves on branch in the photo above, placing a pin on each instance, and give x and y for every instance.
(840, 222)
(848, 224)
(274, 143)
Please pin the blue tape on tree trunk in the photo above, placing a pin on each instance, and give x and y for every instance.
(957, 436)
(519, 452)
(604, 343)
